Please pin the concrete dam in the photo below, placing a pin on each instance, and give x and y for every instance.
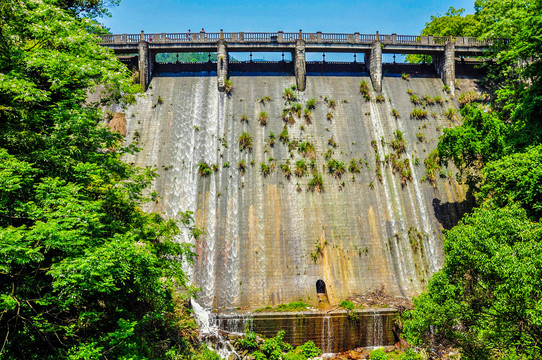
(291, 194)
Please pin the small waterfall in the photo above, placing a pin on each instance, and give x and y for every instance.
(203, 318)
(327, 334)
(421, 206)
(378, 329)
(209, 144)
(210, 335)
(392, 200)
(235, 323)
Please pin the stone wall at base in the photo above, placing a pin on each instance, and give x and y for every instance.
(332, 332)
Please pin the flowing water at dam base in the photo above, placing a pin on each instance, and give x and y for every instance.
(332, 331)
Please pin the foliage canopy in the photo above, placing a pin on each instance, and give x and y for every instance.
(84, 272)
(486, 300)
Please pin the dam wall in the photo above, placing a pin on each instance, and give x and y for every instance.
(269, 235)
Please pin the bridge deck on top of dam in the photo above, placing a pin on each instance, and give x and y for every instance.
(442, 49)
(281, 41)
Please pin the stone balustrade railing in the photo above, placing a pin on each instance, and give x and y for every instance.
(284, 37)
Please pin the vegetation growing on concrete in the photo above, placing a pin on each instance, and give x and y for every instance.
(416, 100)
(395, 113)
(316, 183)
(311, 104)
(365, 90)
(354, 167)
(398, 143)
(306, 148)
(228, 86)
(264, 100)
(242, 166)
(245, 141)
(318, 250)
(289, 94)
(307, 115)
(470, 97)
(418, 114)
(271, 141)
(451, 114)
(204, 169)
(262, 118)
(288, 116)
(420, 136)
(300, 168)
(432, 167)
(336, 168)
(438, 100)
(267, 169)
(286, 170)
(296, 108)
(290, 307)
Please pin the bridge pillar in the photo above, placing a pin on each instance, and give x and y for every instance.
(300, 70)
(374, 65)
(447, 64)
(146, 64)
(222, 64)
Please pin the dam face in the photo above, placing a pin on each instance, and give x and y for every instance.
(269, 238)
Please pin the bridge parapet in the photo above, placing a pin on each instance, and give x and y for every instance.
(286, 37)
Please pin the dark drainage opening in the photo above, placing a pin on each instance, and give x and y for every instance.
(320, 287)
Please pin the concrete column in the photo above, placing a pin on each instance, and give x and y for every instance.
(146, 64)
(299, 67)
(222, 64)
(447, 64)
(374, 65)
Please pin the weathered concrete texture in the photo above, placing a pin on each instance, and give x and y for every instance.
(331, 332)
(222, 64)
(146, 64)
(269, 239)
(299, 65)
(375, 65)
(448, 67)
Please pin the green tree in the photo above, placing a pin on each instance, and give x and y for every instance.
(517, 74)
(453, 23)
(487, 299)
(515, 178)
(84, 272)
(481, 138)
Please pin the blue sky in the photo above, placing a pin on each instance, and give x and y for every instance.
(366, 17)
